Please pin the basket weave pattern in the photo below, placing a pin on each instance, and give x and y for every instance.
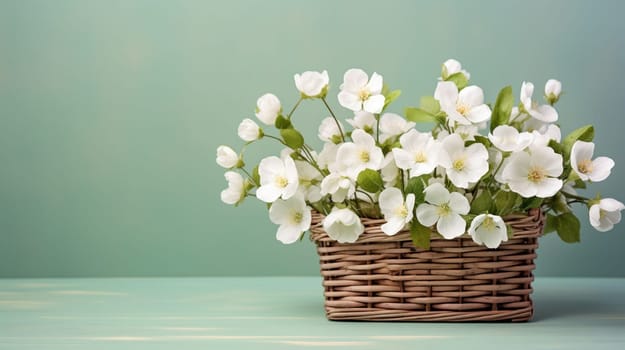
(385, 278)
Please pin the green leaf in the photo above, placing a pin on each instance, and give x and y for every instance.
(430, 105)
(370, 180)
(459, 79)
(483, 140)
(256, 175)
(568, 228)
(534, 202)
(420, 235)
(502, 109)
(415, 186)
(481, 203)
(418, 115)
(292, 138)
(282, 122)
(506, 202)
(585, 133)
(579, 183)
(390, 97)
(556, 146)
(551, 224)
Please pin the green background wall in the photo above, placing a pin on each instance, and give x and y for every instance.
(110, 113)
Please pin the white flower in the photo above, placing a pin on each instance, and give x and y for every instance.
(467, 132)
(343, 225)
(392, 125)
(268, 108)
(329, 131)
(227, 157)
(508, 139)
(419, 153)
(327, 156)
(363, 120)
(249, 131)
(362, 153)
(463, 165)
(396, 211)
(293, 216)
(465, 107)
(544, 113)
(389, 171)
(544, 135)
(339, 186)
(489, 230)
(534, 173)
(451, 67)
(359, 93)
(586, 168)
(312, 84)
(309, 181)
(605, 214)
(278, 179)
(553, 89)
(444, 210)
(235, 193)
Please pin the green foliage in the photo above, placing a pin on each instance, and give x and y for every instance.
(481, 203)
(283, 123)
(390, 97)
(585, 133)
(502, 109)
(551, 224)
(419, 115)
(420, 235)
(370, 181)
(459, 79)
(530, 203)
(256, 175)
(416, 186)
(430, 105)
(568, 227)
(506, 202)
(292, 138)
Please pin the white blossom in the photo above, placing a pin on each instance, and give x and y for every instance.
(363, 120)
(508, 139)
(227, 157)
(464, 108)
(359, 93)
(389, 171)
(249, 131)
(605, 214)
(397, 211)
(329, 130)
(362, 153)
(534, 173)
(489, 230)
(327, 156)
(463, 165)
(443, 209)
(585, 167)
(343, 225)
(392, 125)
(235, 193)
(338, 186)
(544, 113)
(451, 67)
(268, 108)
(312, 84)
(293, 216)
(553, 89)
(278, 179)
(419, 153)
(309, 181)
(546, 134)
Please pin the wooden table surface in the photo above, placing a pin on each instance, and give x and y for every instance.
(281, 313)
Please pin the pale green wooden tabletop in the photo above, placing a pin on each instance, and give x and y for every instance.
(280, 313)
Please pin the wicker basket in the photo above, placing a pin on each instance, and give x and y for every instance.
(385, 278)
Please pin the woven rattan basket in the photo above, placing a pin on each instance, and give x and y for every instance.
(385, 278)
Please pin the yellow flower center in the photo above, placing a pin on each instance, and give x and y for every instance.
(444, 209)
(458, 164)
(421, 158)
(462, 109)
(281, 181)
(364, 156)
(401, 211)
(298, 217)
(585, 166)
(489, 223)
(364, 94)
(536, 175)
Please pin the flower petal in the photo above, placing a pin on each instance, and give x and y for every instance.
(390, 199)
(288, 234)
(393, 226)
(472, 96)
(427, 214)
(436, 194)
(446, 93)
(479, 114)
(601, 169)
(459, 203)
(451, 226)
(350, 101)
(354, 80)
(375, 84)
(374, 104)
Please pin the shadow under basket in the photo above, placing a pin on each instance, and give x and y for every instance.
(385, 278)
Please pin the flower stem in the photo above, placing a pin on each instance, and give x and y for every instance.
(377, 129)
(580, 198)
(294, 108)
(275, 138)
(338, 125)
(250, 177)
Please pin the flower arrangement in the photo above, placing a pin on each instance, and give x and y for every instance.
(478, 163)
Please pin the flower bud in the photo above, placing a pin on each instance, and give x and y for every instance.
(553, 89)
(249, 131)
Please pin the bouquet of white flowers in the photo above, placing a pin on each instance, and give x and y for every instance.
(478, 164)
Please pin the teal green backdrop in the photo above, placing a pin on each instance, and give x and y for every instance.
(111, 111)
